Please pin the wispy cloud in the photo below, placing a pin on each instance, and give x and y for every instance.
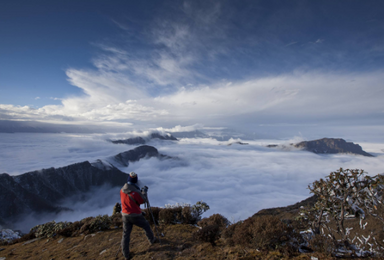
(291, 43)
(202, 63)
(121, 25)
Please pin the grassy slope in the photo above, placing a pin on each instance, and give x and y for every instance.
(177, 243)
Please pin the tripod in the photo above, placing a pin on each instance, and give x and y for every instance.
(148, 206)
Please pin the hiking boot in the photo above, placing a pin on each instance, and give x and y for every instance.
(154, 240)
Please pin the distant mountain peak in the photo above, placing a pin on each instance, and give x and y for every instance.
(325, 146)
(331, 146)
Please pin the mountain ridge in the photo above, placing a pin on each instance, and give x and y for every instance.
(43, 190)
(144, 139)
(326, 146)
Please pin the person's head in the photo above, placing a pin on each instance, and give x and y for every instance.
(132, 177)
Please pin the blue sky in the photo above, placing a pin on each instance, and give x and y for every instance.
(215, 63)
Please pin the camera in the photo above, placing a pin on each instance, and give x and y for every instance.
(144, 189)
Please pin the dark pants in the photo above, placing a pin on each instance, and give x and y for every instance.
(128, 222)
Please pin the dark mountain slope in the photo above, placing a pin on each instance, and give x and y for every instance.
(54, 185)
(15, 200)
(43, 190)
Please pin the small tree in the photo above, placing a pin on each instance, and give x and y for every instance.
(343, 193)
(198, 209)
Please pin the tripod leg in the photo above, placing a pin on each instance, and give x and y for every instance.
(153, 218)
(118, 250)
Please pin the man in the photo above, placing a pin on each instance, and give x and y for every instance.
(131, 198)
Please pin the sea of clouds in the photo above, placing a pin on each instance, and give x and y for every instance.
(235, 180)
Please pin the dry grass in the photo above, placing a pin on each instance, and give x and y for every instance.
(262, 236)
(177, 243)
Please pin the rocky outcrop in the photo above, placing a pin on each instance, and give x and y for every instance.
(143, 140)
(43, 190)
(331, 146)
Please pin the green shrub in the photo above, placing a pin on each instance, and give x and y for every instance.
(264, 232)
(71, 230)
(211, 228)
(322, 244)
(215, 219)
(148, 216)
(187, 215)
(91, 225)
(49, 229)
(229, 232)
(116, 220)
(208, 233)
(170, 216)
(182, 213)
(94, 224)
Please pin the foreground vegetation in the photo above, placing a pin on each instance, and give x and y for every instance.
(344, 219)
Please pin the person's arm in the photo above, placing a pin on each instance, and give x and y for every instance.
(139, 197)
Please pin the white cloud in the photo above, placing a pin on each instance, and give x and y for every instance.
(301, 95)
(37, 98)
(285, 98)
(180, 128)
(235, 181)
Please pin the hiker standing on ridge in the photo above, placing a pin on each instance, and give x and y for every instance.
(131, 198)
